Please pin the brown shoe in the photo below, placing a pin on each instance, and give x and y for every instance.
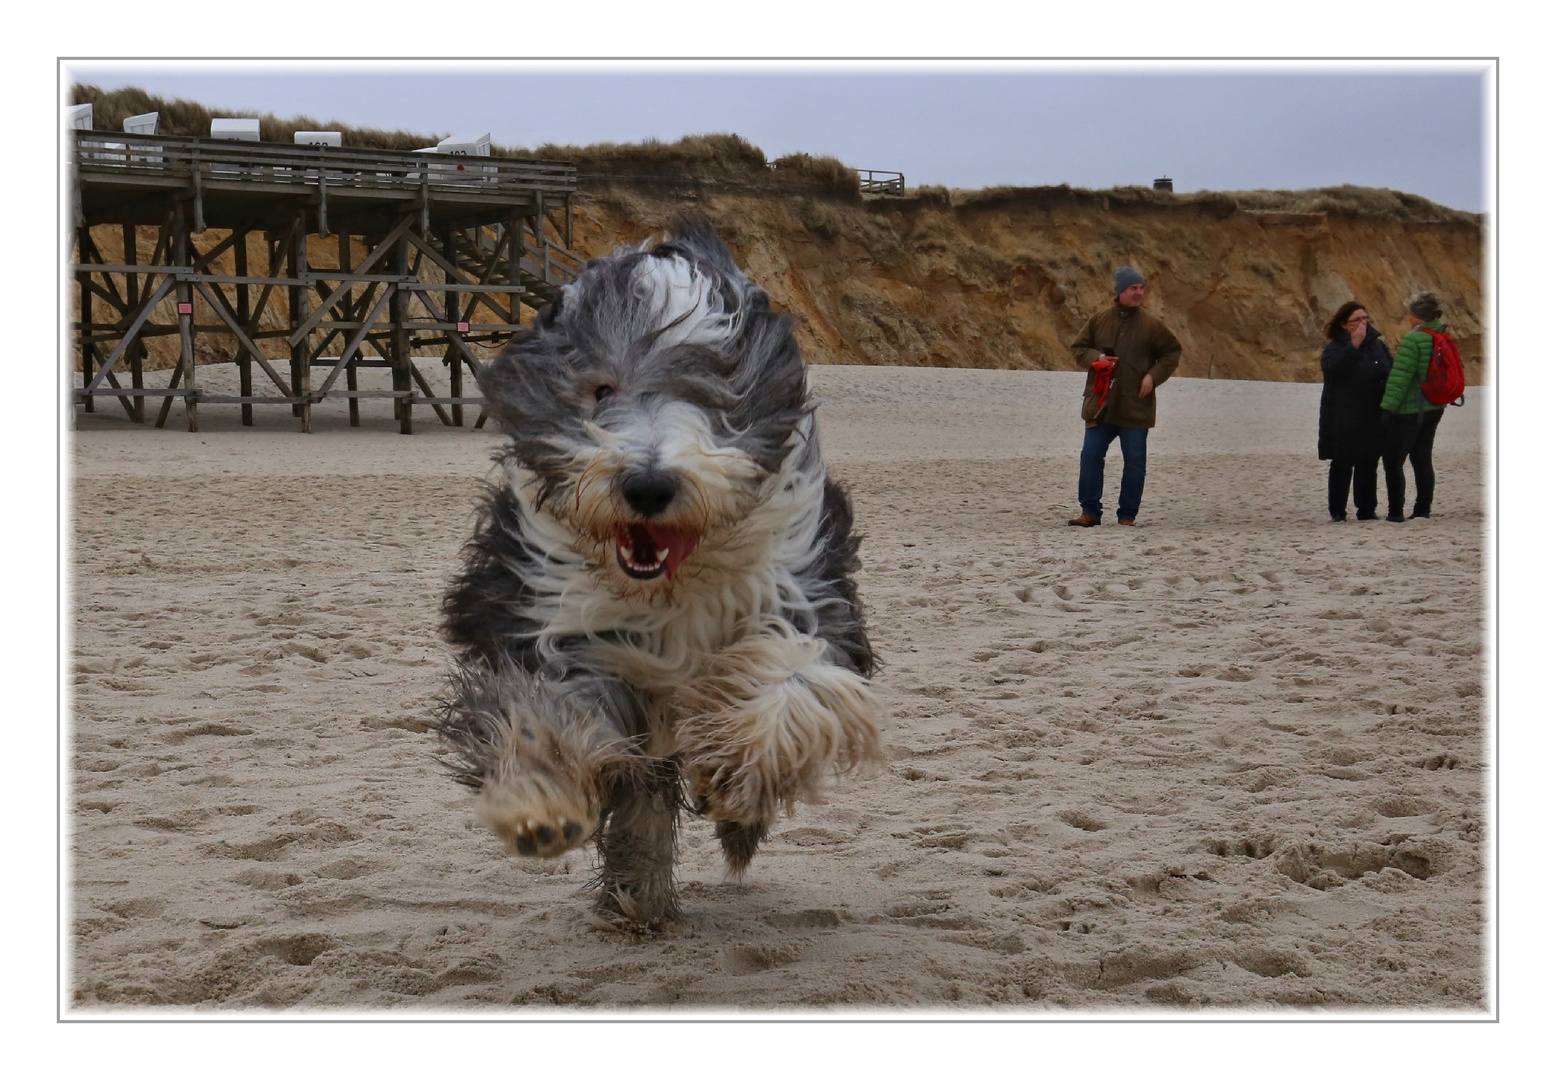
(1085, 521)
(1126, 521)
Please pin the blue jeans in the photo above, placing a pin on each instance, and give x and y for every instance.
(1094, 449)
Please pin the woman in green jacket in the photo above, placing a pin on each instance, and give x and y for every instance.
(1409, 420)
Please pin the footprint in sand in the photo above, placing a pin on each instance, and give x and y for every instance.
(1079, 819)
(813, 919)
(750, 959)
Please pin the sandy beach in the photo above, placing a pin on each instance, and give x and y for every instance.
(1234, 758)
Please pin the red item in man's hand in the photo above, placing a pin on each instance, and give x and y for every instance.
(1102, 379)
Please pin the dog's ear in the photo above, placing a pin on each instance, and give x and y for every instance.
(695, 238)
(529, 382)
(769, 383)
(500, 380)
(551, 312)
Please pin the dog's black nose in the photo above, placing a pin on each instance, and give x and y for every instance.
(648, 493)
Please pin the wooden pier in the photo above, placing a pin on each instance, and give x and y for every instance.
(426, 253)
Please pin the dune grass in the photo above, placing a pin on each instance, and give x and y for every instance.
(1346, 200)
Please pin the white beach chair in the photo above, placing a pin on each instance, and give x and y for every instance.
(143, 124)
(79, 118)
(238, 129)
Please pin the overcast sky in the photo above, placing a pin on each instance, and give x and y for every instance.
(1404, 126)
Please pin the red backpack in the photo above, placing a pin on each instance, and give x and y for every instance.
(1444, 381)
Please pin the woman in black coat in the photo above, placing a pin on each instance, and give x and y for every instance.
(1356, 367)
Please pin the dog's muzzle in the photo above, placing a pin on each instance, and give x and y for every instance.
(644, 549)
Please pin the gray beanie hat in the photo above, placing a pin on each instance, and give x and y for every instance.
(1126, 276)
(1424, 305)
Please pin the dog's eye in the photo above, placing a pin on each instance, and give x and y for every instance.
(603, 391)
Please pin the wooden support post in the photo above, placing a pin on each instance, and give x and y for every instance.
(290, 264)
(84, 283)
(540, 238)
(400, 337)
(515, 257)
(351, 384)
(167, 402)
(132, 300)
(297, 313)
(454, 357)
(138, 378)
(240, 264)
(276, 246)
(184, 296)
(351, 364)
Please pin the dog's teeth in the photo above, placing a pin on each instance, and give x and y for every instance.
(625, 552)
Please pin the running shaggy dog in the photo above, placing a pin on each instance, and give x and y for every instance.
(657, 610)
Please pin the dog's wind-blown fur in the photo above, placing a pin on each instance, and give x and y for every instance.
(657, 609)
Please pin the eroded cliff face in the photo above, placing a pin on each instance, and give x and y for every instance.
(1007, 282)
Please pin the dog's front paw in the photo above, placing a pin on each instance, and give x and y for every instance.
(729, 784)
(542, 796)
(539, 758)
(767, 726)
(537, 813)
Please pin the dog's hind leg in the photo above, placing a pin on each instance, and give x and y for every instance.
(739, 841)
(542, 754)
(636, 877)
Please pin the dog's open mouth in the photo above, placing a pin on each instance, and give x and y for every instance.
(647, 551)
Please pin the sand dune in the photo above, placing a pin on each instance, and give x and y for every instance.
(1233, 758)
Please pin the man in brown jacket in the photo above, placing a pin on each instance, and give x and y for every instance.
(1145, 355)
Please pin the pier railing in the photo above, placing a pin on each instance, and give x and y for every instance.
(879, 182)
(186, 162)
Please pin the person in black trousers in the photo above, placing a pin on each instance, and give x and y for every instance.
(1356, 367)
(1409, 420)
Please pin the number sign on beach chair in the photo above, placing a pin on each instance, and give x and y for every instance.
(462, 146)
